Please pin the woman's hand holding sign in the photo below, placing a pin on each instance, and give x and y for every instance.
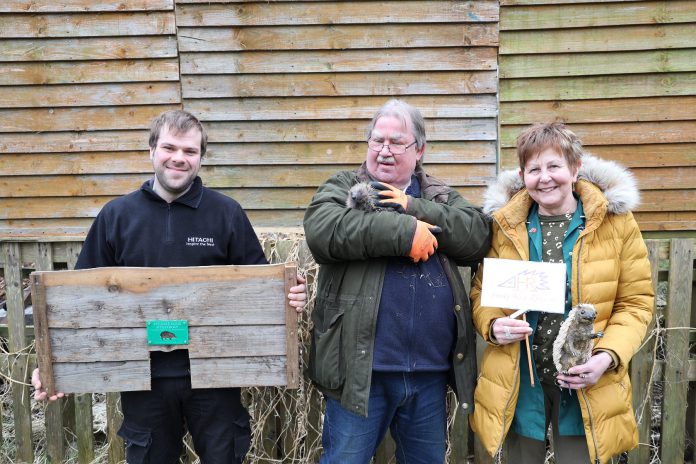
(506, 330)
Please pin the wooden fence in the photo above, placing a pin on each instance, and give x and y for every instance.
(663, 374)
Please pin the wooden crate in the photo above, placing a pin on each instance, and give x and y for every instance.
(90, 325)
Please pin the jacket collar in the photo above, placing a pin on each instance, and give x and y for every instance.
(192, 198)
(603, 186)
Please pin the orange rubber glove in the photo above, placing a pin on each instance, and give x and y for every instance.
(424, 242)
(388, 196)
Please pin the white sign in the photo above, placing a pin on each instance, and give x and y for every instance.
(526, 285)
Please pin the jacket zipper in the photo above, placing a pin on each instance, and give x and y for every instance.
(168, 232)
(584, 397)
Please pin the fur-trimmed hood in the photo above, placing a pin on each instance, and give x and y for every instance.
(615, 181)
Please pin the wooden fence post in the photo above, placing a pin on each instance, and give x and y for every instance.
(81, 405)
(54, 409)
(677, 318)
(117, 451)
(69, 401)
(287, 427)
(314, 398)
(386, 450)
(18, 368)
(643, 370)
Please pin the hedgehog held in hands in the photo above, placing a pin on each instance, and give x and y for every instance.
(363, 196)
(573, 345)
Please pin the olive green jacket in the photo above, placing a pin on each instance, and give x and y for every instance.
(353, 248)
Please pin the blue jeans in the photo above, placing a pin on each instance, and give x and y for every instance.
(411, 404)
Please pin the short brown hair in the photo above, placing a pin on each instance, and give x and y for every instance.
(538, 137)
(180, 122)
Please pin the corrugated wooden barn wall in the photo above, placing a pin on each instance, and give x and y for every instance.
(623, 75)
(285, 89)
(79, 82)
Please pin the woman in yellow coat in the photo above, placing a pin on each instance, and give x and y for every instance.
(563, 206)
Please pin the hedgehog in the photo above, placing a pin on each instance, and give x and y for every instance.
(362, 196)
(573, 345)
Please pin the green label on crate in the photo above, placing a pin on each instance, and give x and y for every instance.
(170, 332)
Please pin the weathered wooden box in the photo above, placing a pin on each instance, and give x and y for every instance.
(90, 325)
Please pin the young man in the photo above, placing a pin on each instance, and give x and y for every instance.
(392, 322)
(152, 227)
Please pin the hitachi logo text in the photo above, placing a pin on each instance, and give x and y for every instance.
(200, 241)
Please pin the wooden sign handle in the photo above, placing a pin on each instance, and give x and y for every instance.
(41, 337)
(292, 357)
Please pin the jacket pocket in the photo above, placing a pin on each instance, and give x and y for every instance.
(138, 440)
(326, 365)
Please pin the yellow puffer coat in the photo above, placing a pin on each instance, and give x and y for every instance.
(610, 270)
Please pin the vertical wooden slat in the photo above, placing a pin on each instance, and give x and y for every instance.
(69, 422)
(314, 414)
(270, 441)
(117, 451)
(73, 251)
(677, 315)
(83, 428)
(642, 368)
(18, 368)
(691, 409)
(314, 426)
(291, 327)
(82, 403)
(191, 456)
(54, 409)
(288, 425)
(386, 450)
(286, 422)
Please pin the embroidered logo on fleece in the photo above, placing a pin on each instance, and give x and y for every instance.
(200, 241)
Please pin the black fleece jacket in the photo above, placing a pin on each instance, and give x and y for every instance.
(201, 228)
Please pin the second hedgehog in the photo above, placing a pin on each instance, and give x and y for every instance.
(362, 196)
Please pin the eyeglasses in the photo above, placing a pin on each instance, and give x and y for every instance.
(394, 149)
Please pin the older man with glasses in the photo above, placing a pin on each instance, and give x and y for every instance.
(392, 322)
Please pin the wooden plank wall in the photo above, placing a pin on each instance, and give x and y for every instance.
(622, 74)
(79, 82)
(287, 89)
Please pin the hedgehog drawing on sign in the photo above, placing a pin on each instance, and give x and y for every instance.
(165, 335)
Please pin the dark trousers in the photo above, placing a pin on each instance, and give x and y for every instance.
(154, 423)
